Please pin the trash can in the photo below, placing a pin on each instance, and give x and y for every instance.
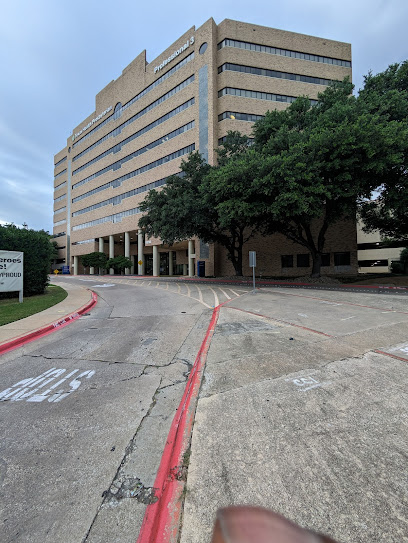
(201, 268)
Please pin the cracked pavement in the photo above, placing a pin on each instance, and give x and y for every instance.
(78, 462)
(303, 409)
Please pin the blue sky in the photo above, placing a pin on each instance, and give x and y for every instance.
(55, 56)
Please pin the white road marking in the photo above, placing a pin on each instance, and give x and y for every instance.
(347, 318)
(236, 293)
(307, 383)
(302, 315)
(216, 300)
(328, 303)
(225, 294)
(27, 388)
(105, 285)
(200, 294)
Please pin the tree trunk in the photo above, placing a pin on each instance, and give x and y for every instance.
(317, 263)
(238, 267)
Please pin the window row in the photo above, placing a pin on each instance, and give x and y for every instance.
(117, 114)
(60, 161)
(60, 186)
(221, 140)
(60, 222)
(118, 164)
(273, 73)
(111, 218)
(84, 241)
(60, 198)
(303, 260)
(59, 235)
(119, 129)
(115, 200)
(372, 263)
(259, 95)
(117, 182)
(118, 147)
(58, 174)
(381, 245)
(283, 52)
(60, 210)
(235, 116)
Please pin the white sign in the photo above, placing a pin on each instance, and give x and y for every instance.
(11, 271)
(252, 259)
(174, 55)
(92, 122)
(36, 389)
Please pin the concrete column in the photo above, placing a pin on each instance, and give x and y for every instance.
(184, 269)
(132, 269)
(101, 249)
(140, 257)
(75, 265)
(170, 262)
(127, 250)
(191, 257)
(111, 252)
(156, 261)
(91, 270)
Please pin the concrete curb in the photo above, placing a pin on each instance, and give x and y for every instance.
(263, 283)
(48, 328)
(162, 519)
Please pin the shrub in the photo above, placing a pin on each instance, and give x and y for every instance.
(38, 251)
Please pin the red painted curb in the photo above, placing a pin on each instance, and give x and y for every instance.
(284, 322)
(45, 330)
(162, 518)
(391, 355)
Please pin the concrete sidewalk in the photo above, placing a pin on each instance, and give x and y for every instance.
(303, 410)
(77, 297)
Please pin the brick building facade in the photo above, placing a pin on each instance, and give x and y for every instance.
(212, 79)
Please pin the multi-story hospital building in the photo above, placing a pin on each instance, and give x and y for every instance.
(210, 80)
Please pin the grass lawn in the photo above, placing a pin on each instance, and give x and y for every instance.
(11, 310)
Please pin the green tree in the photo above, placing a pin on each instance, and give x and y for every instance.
(39, 252)
(192, 205)
(386, 94)
(119, 263)
(94, 260)
(404, 259)
(314, 162)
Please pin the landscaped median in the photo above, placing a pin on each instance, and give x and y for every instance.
(11, 310)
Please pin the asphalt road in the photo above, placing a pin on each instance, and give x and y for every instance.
(79, 456)
(302, 409)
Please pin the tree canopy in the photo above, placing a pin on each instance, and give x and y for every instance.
(192, 205)
(307, 168)
(386, 94)
(94, 260)
(119, 263)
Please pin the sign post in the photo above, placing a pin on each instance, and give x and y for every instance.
(252, 264)
(11, 272)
